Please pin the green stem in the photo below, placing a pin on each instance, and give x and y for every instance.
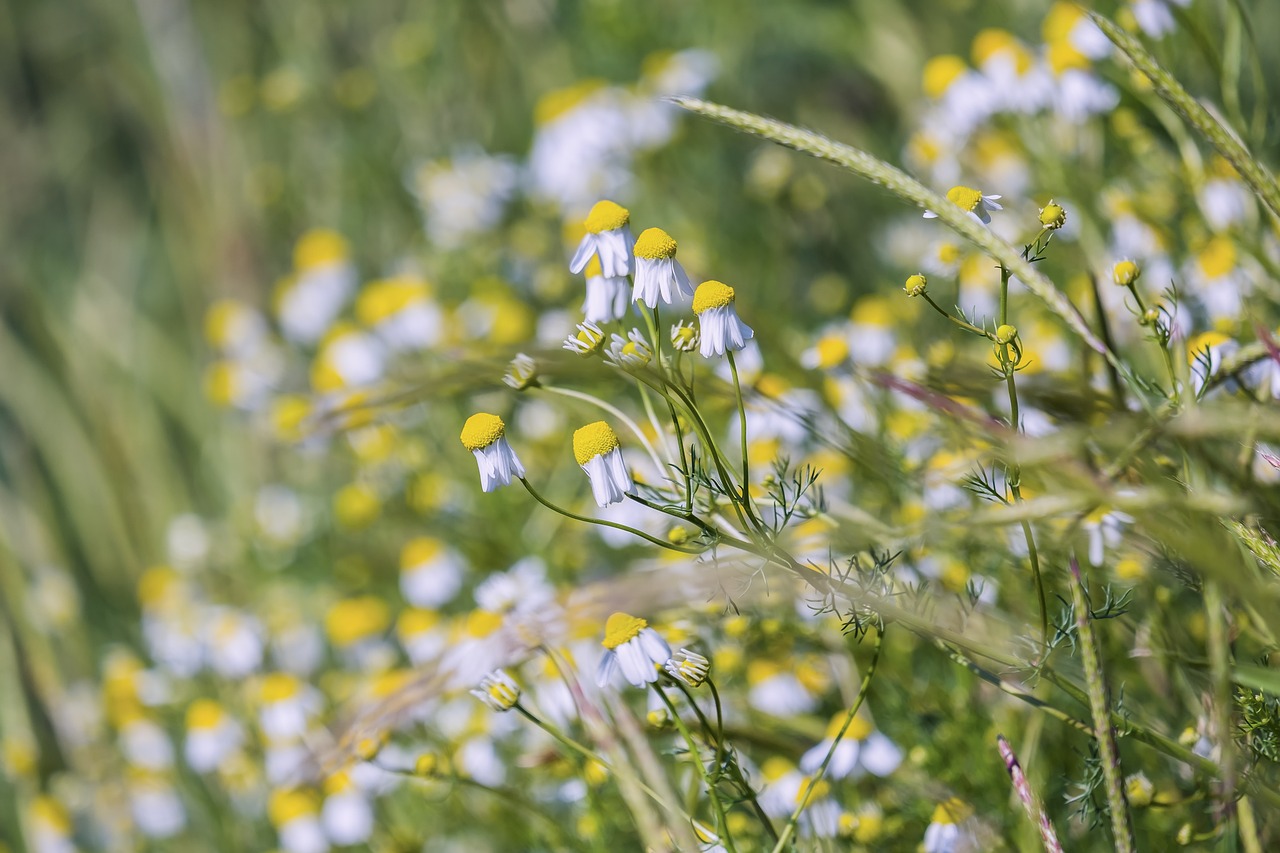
(600, 521)
(716, 805)
(964, 324)
(742, 422)
(812, 784)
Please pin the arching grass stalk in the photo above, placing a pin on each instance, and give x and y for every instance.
(1100, 707)
(615, 412)
(722, 822)
(790, 829)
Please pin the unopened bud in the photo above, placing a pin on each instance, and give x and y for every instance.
(1053, 216)
(1125, 273)
(1005, 334)
(915, 285)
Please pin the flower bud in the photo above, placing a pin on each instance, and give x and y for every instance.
(1139, 790)
(916, 285)
(1053, 216)
(1005, 334)
(1125, 273)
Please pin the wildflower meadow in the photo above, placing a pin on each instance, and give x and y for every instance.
(573, 425)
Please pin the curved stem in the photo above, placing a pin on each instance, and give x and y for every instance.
(617, 413)
(812, 784)
(964, 324)
(742, 424)
(716, 805)
(600, 521)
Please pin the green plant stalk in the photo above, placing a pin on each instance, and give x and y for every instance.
(790, 829)
(904, 186)
(1220, 670)
(1015, 483)
(742, 422)
(963, 324)
(670, 546)
(1100, 707)
(716, 805)
(1172, 92)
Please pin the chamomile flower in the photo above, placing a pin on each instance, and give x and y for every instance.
(347, 815)
(633, 648)
(861, 748)
(156, 808)
(689, 667)
(308, 301)
(630, 353)
(296, 819)
(608, 238)
(944, 833)
(484, 435)
(288, 706)
(596, 448)
(608, 296)
(498, 690)
(212, 735)
(587, 340)
(430, 572)
(721, 329)
(659, 276)
(685, 337)
(971, 201)
(49, 827)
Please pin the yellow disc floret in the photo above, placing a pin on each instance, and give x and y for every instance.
(606, 216)
(965, 198)
(952, 811)
(593, 440)
(712, 294)
(940, 72)
(482, 430)
(204, 714)
(622, 628)
(318, 248)
(286, 805)
(655, 244)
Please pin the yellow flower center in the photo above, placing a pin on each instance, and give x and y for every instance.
(416, 621)
(591, 441)
(419, 550)
(1125, 273)
(622, 628)
(482, 623)
(388, 297)
(355, 619)
(712, 294)
(953, 810)
(482, 430)
(965, 198)
(1218, 257)
(1060, 21)
(632, 348)
(278, 686)
(654, 244)
(832, 351)
(318, 248)
(559, 102)
(606, 216)
(940, 72)
(204, 714)
(285, 806)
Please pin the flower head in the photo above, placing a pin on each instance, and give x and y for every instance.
(659, 276)
(498, 690)
(632, 647)
(485, 436)
(971, 201)
(916, 285)
(685, 337)
(722, 330)
(1053, 216)
(608, 237)
(521, 373)
(597, 450)
(586, 341)
(630, 353)
(1125, 273)
(689, 667)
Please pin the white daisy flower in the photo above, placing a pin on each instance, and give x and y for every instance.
(659, 275)
(49, 827)
(294, 814)
(685, 337)
(430, 572)
(632, 647)
(346, 814)
(212, 735)
(586, 341)
(156, 808)
(288, 706)
(944, 833)
(971, 201)
(498, 690)
(861, 748)
(630, 353)
(722, 331)
(608, 238)
(608, 296)
(689, 667)
(484, 435)
(597, 450)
